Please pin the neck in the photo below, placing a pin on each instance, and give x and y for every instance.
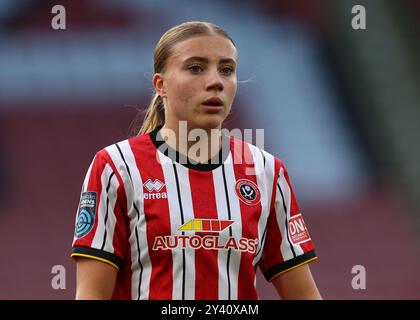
(197, 144)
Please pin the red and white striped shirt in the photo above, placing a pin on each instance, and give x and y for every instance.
(189, 231)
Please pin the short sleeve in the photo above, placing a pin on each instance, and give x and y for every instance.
(100, 228)
(288, 243)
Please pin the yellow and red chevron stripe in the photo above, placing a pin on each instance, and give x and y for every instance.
(207, 225)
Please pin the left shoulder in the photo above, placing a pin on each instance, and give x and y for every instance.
(259, 155)
(259, 152)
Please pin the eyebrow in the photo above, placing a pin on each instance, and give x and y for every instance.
(205, 60)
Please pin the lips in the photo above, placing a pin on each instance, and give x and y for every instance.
(214, 102)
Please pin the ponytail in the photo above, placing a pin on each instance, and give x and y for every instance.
(155, 115)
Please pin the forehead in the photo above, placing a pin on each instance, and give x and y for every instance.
(212, 47)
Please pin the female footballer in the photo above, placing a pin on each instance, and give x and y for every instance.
(183, 211)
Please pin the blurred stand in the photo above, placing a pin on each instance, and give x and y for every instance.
(338, 106)
(3, 178)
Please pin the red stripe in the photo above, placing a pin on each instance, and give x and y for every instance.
(277, 166)
(121, 230)
(120, 242)
(215, 226)
(204, 206)
(120, 210)
(307, 246)
(157, 218)
(121, 237)
(225, 224)
(294, 210)
(206, 225)
(243, 166)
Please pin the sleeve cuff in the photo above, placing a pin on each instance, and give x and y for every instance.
(92, 253)
(289, 265)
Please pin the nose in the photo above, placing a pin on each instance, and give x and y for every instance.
(215, 81)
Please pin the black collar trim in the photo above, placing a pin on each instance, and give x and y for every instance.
(182, 159)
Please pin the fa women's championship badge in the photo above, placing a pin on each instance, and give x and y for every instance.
(86, 214)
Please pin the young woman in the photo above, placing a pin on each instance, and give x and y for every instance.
(165, 215)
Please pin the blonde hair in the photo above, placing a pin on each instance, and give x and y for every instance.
(155, 113)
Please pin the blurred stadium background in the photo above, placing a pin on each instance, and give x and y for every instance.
(339, 106)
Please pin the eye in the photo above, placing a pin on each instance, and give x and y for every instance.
(227, 71)
(195, 69)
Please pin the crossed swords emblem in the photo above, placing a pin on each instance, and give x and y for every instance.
(248, 192)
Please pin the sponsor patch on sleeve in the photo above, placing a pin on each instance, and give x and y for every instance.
(86, 214)
(297, 230)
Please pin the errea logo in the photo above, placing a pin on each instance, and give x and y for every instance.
(154, 187)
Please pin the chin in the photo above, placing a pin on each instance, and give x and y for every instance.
(210, 123)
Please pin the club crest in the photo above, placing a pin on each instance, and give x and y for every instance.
(248, 192)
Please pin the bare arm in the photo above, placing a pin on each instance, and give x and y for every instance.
(297, 284)
(95, 279)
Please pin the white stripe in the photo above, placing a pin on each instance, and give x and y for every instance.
(255, 286)
(87, 177)
(287, 190)
(176, 222)
(122, 170)
(136, 221)
(281, 218)
(188, 210)
(84, 189)
(105, 209)
(265, 177)
(235, 255)
(222, 214)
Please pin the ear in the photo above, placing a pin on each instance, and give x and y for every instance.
(158, 84)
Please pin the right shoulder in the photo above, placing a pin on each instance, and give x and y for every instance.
(118, 153)
(122, 158)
